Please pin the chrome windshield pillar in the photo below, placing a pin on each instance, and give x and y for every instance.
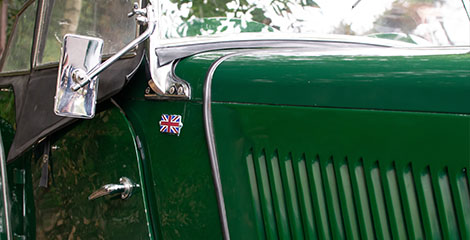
(164, 83)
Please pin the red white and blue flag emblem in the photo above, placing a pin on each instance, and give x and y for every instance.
(171, 124)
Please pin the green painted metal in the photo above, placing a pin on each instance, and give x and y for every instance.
(8, 127)
(434, 83)
(143, 181)
(316, 173)
(319, 173)
(19, 182)
(299, 159)
(84, 157)
(21, 198)
(182, 198)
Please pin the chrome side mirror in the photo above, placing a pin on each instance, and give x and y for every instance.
(79, 67)
(80, 55)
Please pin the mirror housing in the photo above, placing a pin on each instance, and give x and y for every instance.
(79, 66)
(80, 55)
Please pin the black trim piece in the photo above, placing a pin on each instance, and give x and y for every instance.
(44, 15)
(132, 73)
(37, 31)
(34, 99)
(169, 54)
(14, 74)
(46, 163)
(210, 138)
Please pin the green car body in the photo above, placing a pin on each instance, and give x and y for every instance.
(358, 140)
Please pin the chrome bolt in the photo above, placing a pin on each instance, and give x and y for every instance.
(172, 90)
(180, 90)
(147, 90)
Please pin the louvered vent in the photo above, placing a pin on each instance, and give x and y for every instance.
(297, 196)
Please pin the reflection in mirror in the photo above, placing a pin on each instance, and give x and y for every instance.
(80, 55)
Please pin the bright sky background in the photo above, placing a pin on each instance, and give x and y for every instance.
(438, 22)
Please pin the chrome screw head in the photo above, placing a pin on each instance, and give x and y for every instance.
(172, 90)
(180, 90)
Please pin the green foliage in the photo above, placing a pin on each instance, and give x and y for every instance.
(219, 8)
(7, 102)
(234, 16)
(19, 52)
(214, 25)
(14, 6)
(202, 8)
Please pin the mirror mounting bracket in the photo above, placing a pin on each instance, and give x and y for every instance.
(80, 65)
(166, 85)
(144, 16)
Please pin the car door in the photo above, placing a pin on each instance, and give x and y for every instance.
(50, 184)
(15, 68)
(82, 158)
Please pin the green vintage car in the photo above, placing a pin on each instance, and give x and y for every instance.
(236, 119)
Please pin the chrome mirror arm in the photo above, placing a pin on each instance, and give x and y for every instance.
(143, 16)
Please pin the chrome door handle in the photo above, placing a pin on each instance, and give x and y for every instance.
(125, 189)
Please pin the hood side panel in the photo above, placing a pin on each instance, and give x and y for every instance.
(334, 173)
(379, 79)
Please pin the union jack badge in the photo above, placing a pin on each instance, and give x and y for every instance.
(171, 124)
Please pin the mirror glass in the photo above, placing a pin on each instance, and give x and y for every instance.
(80, 55)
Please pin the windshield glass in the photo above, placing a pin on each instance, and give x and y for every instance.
(18, 54)
(421, 22)
(105, 19)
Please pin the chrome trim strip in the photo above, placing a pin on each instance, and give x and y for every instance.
(6, 206)
(210, 138)
(168, 54)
